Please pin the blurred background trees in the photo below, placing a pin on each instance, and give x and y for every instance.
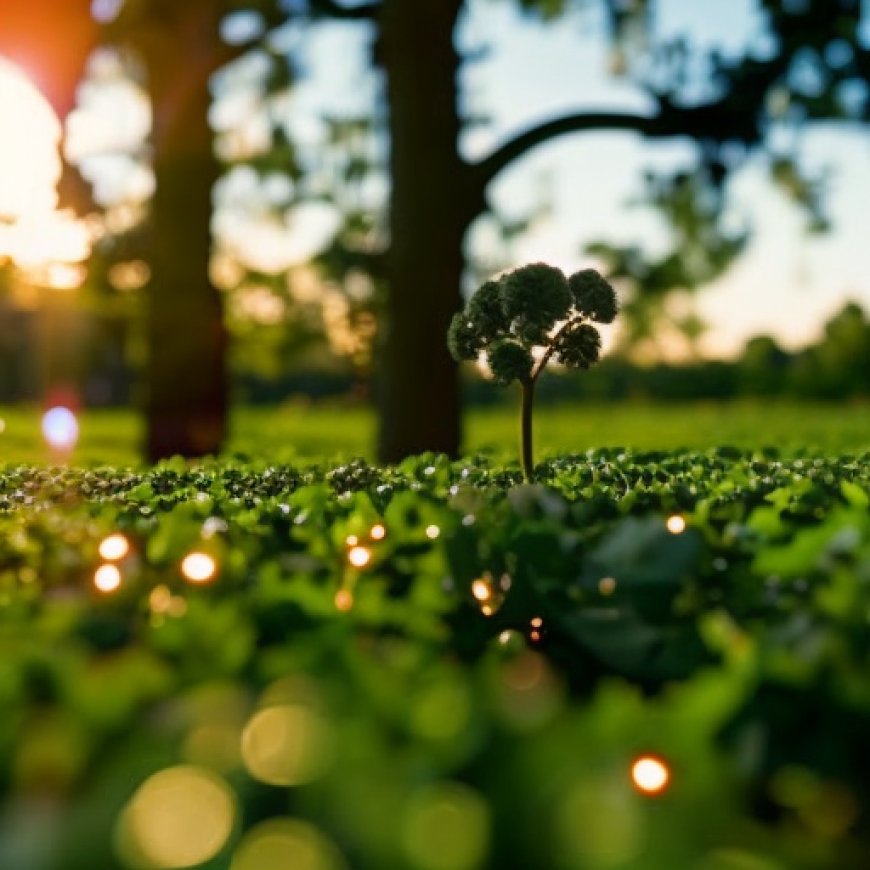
(387, 196)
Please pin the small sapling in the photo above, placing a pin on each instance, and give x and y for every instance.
(528, 318)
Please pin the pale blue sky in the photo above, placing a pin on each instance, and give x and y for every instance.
(786, 284)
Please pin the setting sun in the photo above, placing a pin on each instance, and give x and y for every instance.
(29, 137)
(33, 234)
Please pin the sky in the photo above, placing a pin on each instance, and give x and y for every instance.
(786, 284)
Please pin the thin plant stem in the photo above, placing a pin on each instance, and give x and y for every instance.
(528, 394)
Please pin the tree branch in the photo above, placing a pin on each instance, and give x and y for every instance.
(714, 122)
(334, 9)
(486, 170)
(551, 347)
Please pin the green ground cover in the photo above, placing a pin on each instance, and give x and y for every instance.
(316, 432)
(435, 667)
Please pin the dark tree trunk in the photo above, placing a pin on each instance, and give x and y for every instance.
(186, 402)
(418, 381)
(185, 377)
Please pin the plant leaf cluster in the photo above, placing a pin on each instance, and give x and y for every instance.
(535, 306)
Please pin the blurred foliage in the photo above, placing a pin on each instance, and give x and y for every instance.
(808, 63)
(430, 666)
(692, 205)
(834, 368)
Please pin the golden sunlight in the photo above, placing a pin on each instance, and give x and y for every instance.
(29, 137)
(33, 234)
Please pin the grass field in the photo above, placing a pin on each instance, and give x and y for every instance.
(657, 661)
(307, 432)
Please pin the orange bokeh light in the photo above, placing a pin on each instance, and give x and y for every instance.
(650, 775)
(51, 41)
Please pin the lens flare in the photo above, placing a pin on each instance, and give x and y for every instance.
(107, 578)
(343, 600)
(676, 524)
(481, 590)
(286, 745)
(286, 844)
(607, 585)
(198, 567)
(359, 557)
(179, 817)
(114, 547)
(60, 428)
(650, 775)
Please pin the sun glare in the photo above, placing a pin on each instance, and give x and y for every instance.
(33, 234)
(29, 137)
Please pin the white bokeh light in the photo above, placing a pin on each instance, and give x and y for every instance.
(60, 428)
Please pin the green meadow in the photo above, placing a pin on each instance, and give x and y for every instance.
(314, 432)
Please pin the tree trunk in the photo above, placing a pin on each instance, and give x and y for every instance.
(418, 382)
(186, 402)
(186, 392)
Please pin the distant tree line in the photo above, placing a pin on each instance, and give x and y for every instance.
(834, 368)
